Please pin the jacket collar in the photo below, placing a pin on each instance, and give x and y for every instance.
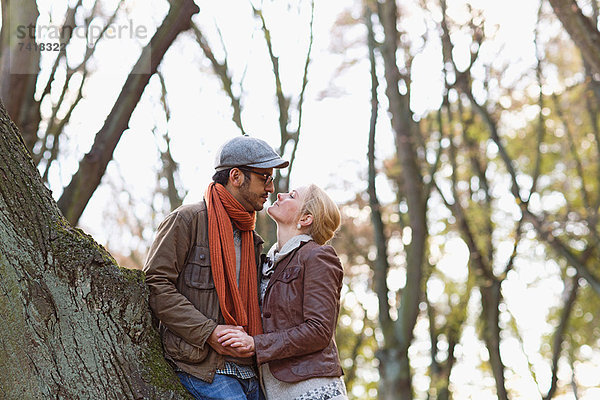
(283, 263)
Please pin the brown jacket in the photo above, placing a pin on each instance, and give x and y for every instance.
(182, 292)
(300, 312)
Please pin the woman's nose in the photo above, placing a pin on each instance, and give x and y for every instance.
(279, 196)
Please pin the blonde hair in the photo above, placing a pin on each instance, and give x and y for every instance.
(325, 213)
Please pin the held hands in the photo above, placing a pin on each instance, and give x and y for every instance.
(237, 339)
(215, 340)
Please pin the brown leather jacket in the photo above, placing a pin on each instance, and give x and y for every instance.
(299, 314)
(182, 292)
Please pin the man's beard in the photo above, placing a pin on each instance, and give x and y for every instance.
(255, 200)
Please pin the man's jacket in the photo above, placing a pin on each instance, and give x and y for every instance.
(182, 291)
(299, 314)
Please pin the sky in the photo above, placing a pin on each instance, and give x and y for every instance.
(333, 142)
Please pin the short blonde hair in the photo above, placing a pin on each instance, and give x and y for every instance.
(325, 213)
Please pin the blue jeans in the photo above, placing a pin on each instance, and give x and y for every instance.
(223, 387)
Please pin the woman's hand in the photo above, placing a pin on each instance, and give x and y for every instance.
(237, 339)
(213, 341)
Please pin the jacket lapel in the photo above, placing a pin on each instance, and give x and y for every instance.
(282, 265)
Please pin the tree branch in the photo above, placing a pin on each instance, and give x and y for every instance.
(582, 30)
(381, 266)
(222, 71)
(92, 167)
(570, 295)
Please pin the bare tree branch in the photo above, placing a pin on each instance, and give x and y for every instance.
(91, 168)
(170, 167)
(573, 149)
(570, 295)
(582, 30)
(381, 266)
(282, 101)
(300, 108)
(56, 130)
(222, 71)
(541, 125)
(64, 41)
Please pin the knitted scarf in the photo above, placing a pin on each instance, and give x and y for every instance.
(239, 305)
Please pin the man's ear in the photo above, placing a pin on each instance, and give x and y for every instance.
(236, 177)
(306, 220)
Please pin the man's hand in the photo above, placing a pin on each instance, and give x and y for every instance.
(237, 339)
(238, 351)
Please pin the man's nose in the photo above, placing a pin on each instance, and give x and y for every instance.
(279, 196)
(270, 187)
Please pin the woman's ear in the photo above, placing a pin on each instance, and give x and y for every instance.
(306, 220)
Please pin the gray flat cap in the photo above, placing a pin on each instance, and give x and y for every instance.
(246, 151)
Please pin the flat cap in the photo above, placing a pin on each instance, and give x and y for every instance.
(246, 151)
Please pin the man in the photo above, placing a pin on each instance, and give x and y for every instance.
(203, 274)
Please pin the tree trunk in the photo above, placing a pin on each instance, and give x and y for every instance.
(570, 296)
(93, 165)
(582, 30)
(395, 381)
(490, 300)
(380, 265)
(19, 66)
(73, 325)
(399, 384)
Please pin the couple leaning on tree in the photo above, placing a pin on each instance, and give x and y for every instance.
(236, 324)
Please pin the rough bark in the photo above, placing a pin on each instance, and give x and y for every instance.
(19, 66)
(93, 165)
(73, 325)
(582, 30)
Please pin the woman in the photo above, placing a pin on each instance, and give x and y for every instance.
(300, 293)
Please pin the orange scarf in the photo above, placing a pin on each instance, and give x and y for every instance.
(239, 305)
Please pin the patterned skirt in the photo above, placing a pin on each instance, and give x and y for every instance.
(310, 389)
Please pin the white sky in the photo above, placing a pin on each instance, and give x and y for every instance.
(332, 148)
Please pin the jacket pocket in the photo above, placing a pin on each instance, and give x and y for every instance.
(198, 273)
(289, 274)
(180, 350)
